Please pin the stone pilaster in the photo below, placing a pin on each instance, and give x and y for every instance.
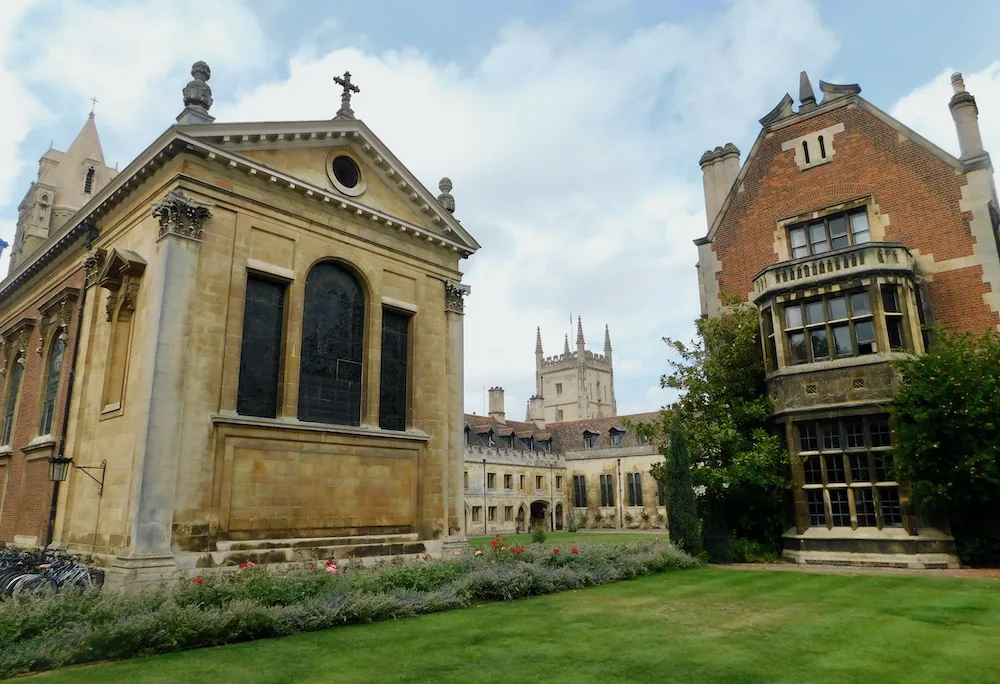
(171, 298)
(454, 491)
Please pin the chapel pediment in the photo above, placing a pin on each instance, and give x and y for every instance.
(344, 158)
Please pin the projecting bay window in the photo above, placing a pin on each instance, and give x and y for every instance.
(830, 327)
(893, 308)
(847, 473)
(770, 346)
(835, 231)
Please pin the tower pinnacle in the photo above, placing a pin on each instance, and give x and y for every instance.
(579, 330)
(538, 340)
(566, 348)
(607, 339)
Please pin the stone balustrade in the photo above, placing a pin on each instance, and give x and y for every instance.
(871, 258)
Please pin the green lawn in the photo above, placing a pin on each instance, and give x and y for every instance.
(703, 625)
(571, 539)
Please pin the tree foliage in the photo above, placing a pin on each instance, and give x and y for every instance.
(738, 467)
(948, 437)
(681, 509)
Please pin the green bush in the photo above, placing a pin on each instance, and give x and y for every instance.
(538, 535)
(51, 630)
(681, 509)
(748, 551)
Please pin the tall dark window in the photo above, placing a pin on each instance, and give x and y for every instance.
(395, 362)
(579, 491)
(661, 494)
(607, 490)
(333, 322)
(634, 482)
(16, 372)
(260, 357)
(88, 183)
(52, 374)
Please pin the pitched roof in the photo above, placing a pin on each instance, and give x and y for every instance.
(482, 425)
(568, 436)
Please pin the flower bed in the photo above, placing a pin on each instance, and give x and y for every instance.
(48, 631)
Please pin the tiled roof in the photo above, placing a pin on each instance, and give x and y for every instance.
(565, 436)
(568, 436)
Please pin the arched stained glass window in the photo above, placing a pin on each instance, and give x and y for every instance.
(333, 324)
(52, 374)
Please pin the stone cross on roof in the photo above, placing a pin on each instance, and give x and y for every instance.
(93, 106)
(345, 111)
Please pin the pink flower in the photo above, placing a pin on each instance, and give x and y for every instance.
(555, 550)
(331, 569)
(197, 580)
(574, 550)
(479, 552)
(492, 561)
(250, 564)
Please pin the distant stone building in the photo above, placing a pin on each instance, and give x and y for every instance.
(573, 385)
(247, 344)
(850, 232)
(519, 475)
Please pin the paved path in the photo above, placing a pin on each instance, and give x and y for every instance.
(969, 573)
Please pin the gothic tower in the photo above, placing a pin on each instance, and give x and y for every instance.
(575, 385)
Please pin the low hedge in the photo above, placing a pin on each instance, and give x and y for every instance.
(56, 629)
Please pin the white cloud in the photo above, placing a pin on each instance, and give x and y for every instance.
(20, 111)
(574, 162)
(926, 111)
(129, 55)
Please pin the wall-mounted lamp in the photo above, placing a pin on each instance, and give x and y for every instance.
(59, 470)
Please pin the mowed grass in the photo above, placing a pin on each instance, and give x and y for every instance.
(702, 625)
(570, 539)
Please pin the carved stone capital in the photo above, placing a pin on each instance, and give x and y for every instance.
(15, 342)
(454, 294)
(56, 311)
(181, 215)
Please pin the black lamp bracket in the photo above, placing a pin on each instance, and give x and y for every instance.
(100, 483)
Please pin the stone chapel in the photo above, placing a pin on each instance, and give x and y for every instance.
(246, 344)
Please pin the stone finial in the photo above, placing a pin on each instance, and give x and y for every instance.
(345, 111)
(446, 199)
(807, 99)
(957, 82)
(579, 330)
(197, 93)
(566, 347)
(538, 336)
(607, 338)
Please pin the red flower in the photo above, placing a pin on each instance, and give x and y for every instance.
(555, 550)
(243, 565)
(197, 580)
(575, 550)
(329, 561)
(312, 567)
(427, 556)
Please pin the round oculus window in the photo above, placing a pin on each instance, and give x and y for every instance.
(346, 171)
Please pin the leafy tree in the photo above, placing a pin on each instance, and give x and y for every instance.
(682, 513)
(739, 469)
(947, 416)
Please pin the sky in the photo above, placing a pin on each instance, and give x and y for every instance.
(571, 129)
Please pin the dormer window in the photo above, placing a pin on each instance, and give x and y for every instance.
(508, 441)
(526, 442)
(590, 439)
(468, 436)
(617, 437)
(88, 183)
(491, 439)
(544, 445)
(835, 231)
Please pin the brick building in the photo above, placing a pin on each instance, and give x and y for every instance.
(850, 233)
(269, 359)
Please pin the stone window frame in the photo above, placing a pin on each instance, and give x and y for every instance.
(876, 223)
(558, 388)
(491, 514)
(539, 483)
(829, 324)
(121, 275)
(491, 480)
(633, 489)
(805, 229)
(820, 448)
(559, 483)
(476, 513)
(579, 491)
(508, 514)
(508, 482)
(55, 316)
(345, 151)
(607, 482)
(286, 283)
(15, 340)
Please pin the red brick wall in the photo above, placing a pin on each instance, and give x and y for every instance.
(919, 192)
(28, 496)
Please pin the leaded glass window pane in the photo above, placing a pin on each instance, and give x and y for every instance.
(15, 385)
(817, 509)
(864, 505)
(880, 434)
(892, 511)
(835, 468)
(52, 375)
(812, 470)
(840, 510)
(883, 466)
(333, 321)
(395, 363)
(860, 472)
(260, 355)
